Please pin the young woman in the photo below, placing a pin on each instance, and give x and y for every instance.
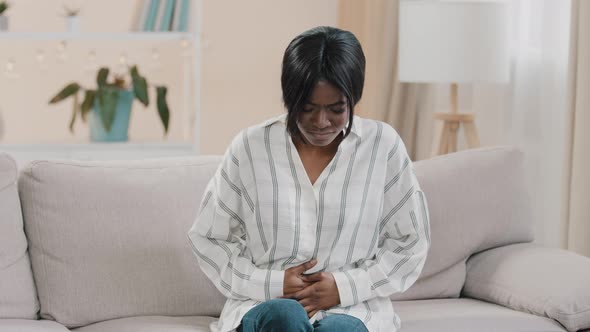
(314, 218)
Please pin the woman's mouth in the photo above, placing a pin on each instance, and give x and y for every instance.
(320, 133)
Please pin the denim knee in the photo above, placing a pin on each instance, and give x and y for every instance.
(339, 323)
(277, 315)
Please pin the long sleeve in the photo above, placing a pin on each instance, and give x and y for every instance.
(218, 237)
(404, 237)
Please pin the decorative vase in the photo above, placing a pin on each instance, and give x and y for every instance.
(3, 23)
(119, 129)
(73, 23)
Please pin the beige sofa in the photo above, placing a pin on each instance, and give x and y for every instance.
(104, 248)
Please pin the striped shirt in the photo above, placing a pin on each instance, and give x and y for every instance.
(365, 220)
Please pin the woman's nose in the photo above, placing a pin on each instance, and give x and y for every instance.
(320, 119)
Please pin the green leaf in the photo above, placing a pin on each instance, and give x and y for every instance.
(163, 110)
(3, 6)
(107, 99)
(87, 103)
(101, 77)
(68, 90)
(134, 71)
(75, 111)
(139, 86)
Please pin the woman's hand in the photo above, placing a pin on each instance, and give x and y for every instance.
(321, 294)
(293, 281)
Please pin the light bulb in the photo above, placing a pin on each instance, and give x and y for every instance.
(10, 69)
(61, 51)
(185, 49)
(122, 59)
(155, 54)
(91, 58)
(40, 56)
(10, 65)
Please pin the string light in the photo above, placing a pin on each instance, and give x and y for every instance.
(40, 57)
(185, 49)
(155, 57)
(62, 54)
(10, 69)
(91, 64)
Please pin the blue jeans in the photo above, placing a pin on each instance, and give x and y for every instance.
(285, 315)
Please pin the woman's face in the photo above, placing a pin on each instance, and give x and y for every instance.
(324, 115)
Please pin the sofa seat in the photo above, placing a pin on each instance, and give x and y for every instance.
(29, 325)
(446, 315)
(152, 324)
(467, 315)
(103, 244)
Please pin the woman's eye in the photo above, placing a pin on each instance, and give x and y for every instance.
(338, 111)
(307, 110)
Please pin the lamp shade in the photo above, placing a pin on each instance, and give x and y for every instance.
(453, 41)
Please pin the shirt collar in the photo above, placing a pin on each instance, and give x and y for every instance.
(356, 128)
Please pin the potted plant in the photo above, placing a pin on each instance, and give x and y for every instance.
(3, 18)
(109, 105)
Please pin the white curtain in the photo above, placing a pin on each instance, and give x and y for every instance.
(545, 110)
(577, 186)
(403, 105)
(532, 111)
(537, 109)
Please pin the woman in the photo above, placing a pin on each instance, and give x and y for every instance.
(315, 217)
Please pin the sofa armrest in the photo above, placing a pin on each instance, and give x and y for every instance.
(544, 281)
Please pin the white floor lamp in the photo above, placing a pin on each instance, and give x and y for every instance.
(453, 41)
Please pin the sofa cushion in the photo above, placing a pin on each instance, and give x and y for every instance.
(544, 281)
(108, 239)
(17, 290)
(152, 324)
(477, 199)
(28, 325)
(467, 315)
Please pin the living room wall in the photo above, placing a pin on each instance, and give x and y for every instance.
(242, 64)
(243, 46)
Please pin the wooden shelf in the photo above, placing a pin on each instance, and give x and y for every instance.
(96, 36)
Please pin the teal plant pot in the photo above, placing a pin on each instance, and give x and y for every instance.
(120, 128)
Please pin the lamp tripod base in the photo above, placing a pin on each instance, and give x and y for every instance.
(445, 139)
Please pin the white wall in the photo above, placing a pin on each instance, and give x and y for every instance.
(240, 67)
(23, 100)
(242, 63)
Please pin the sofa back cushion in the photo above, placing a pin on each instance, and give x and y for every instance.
(477, 199)
(17, 289)
(109, 239)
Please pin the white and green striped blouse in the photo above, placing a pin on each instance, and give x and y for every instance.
(365, 219)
